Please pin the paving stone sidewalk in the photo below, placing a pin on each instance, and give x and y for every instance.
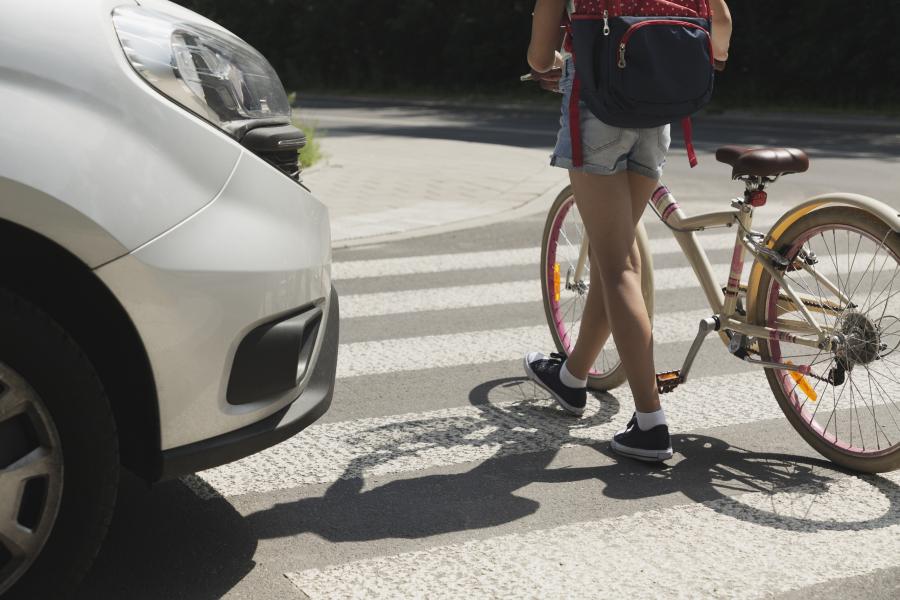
(379, 186)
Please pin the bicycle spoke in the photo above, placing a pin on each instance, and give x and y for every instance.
(883, 395)
(834, 402)
(885, 302)
(889, 397)
(853, 408)
(874, 256)
(822, 297)
(833, 261)
(892, 379)
(871, 410)
(788, 356)
(886, 396)
(887, 289)
(837, 261)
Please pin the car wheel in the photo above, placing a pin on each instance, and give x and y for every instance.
(58, 456)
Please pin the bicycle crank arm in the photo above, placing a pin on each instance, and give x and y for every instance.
(668, 381)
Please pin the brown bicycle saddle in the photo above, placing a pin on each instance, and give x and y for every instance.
(763, 162)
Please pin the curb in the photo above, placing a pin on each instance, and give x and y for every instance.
(536, 107)
(776, 118)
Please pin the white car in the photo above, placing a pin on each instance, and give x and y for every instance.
(165, 291)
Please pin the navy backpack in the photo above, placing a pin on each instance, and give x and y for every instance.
(640, 63)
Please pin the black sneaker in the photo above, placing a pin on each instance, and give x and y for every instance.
(544, 371)
(652, 446)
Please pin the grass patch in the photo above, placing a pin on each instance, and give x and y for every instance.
(311, 153)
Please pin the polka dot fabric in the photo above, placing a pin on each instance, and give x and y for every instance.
(644, 8)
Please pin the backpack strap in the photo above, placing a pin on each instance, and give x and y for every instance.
(687, 127)
(574, 101)
(575, 123)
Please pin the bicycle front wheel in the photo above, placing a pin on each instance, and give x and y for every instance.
(848, 407)
(566, 280)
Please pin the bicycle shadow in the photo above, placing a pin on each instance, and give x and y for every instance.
(515, 442)
(776, 490)
(518, 435)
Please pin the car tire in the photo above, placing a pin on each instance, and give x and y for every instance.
(67, 430)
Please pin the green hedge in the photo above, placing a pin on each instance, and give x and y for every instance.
(817, 52)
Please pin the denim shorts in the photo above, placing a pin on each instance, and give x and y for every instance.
(608, 150)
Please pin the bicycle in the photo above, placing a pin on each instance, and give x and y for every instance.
(814, 321)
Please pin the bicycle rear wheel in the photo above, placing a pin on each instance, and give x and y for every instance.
(848, 409)
(560, 250)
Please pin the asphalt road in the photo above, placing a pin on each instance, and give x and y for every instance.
(440, 471)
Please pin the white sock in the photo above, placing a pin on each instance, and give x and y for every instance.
(570, 380)
(647, 421)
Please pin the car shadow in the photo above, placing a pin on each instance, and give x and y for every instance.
(165, 542)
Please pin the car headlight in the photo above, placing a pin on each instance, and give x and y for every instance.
(211, 72)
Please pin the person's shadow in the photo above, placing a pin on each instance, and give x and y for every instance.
(524, 432)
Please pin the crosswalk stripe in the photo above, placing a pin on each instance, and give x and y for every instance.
(491, 294)
(455, 349)
(411, 265)
(516, 292)
(758, 544)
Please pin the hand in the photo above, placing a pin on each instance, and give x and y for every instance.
(558, 60)
(549, 80)
(720, 65)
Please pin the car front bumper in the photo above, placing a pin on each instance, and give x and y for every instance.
(258, 255)
(312, 404)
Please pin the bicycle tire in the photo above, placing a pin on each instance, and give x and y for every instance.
(612, 375)
(798, 410)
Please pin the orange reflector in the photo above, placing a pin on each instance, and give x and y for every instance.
(803, 384)
(556, 282)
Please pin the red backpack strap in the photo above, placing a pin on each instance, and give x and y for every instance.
(574, 102)
(688, 128)
(575, 123)
(567, 38)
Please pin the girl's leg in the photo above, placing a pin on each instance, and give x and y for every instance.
(594, 331)
(594, 321)
(610, 206)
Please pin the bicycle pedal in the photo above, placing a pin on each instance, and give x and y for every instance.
(668, 381)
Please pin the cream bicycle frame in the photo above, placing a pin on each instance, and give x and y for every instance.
(724, 303)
